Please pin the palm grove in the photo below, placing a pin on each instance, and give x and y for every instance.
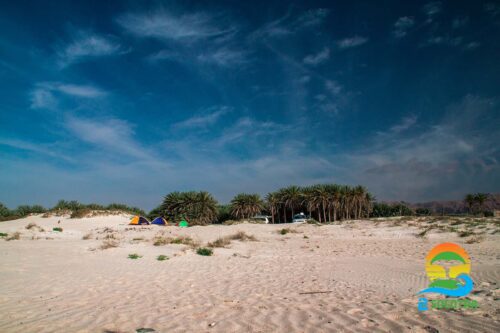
(324, 203)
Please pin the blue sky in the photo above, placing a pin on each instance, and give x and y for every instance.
(116, 101)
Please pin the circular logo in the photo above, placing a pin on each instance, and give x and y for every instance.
(448, 268)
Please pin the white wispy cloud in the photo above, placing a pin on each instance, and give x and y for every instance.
(39, 148)
(165, 55)
(472, 45)
(42, 98)
(352, 42)
(87, 45)
(333, 87)
(85, 91)
(431, 9)
(318, 58)
(166, 25)
(45, 94)
(112, 134)
(402, 25)
(224, 57)
(443, 40)
(290, 24)
(204, 119)
(246, 128)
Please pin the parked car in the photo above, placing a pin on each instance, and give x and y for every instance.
(299, 218)
(262, 219)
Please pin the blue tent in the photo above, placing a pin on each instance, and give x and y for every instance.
(159, 221)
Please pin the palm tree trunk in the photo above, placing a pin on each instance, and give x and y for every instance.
(324, 211)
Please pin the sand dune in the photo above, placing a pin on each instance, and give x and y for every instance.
(356, 277)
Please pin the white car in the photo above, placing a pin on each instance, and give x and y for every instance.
(262, 219)
(299, 218)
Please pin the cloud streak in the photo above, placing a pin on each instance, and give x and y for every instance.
(318, 58)
(86, 46)
(165, 25)
(351, 42)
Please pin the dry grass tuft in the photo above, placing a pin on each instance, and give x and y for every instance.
(14, 236)
(285, 231)
(242, 236)
(34, 226)
(87, 236)
(185, 241)
(220, 242)
(225, 241)
(160, 240)
(108, 244)
(474, 239)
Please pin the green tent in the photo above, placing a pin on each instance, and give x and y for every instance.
(183, 224)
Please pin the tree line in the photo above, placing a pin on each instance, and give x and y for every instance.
(324, 203)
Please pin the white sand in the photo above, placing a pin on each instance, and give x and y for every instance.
(369, 275)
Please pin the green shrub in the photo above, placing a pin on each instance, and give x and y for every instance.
(134, 256)
(3, 234)
(203, 251)
(162, 257)
(57, 229)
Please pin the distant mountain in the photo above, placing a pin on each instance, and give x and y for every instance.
(457, 206)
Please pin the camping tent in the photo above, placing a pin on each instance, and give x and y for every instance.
(183, 224)
(136, 220)
(159, 221)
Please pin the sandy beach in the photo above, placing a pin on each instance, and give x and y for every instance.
(360, 276)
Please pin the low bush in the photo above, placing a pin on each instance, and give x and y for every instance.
(162, 257)
(285, 231)
(134, 256)
(58, 229)
(203, 251)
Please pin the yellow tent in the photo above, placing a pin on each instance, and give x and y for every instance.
(137, 220)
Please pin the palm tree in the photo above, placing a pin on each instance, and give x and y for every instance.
(470, 200)
(196, 207)
(273, 203)
(281, 194)
(358, 198)
(480, 198)
(308, 199)
(320, 197)
(293, 197)
(246, 205)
